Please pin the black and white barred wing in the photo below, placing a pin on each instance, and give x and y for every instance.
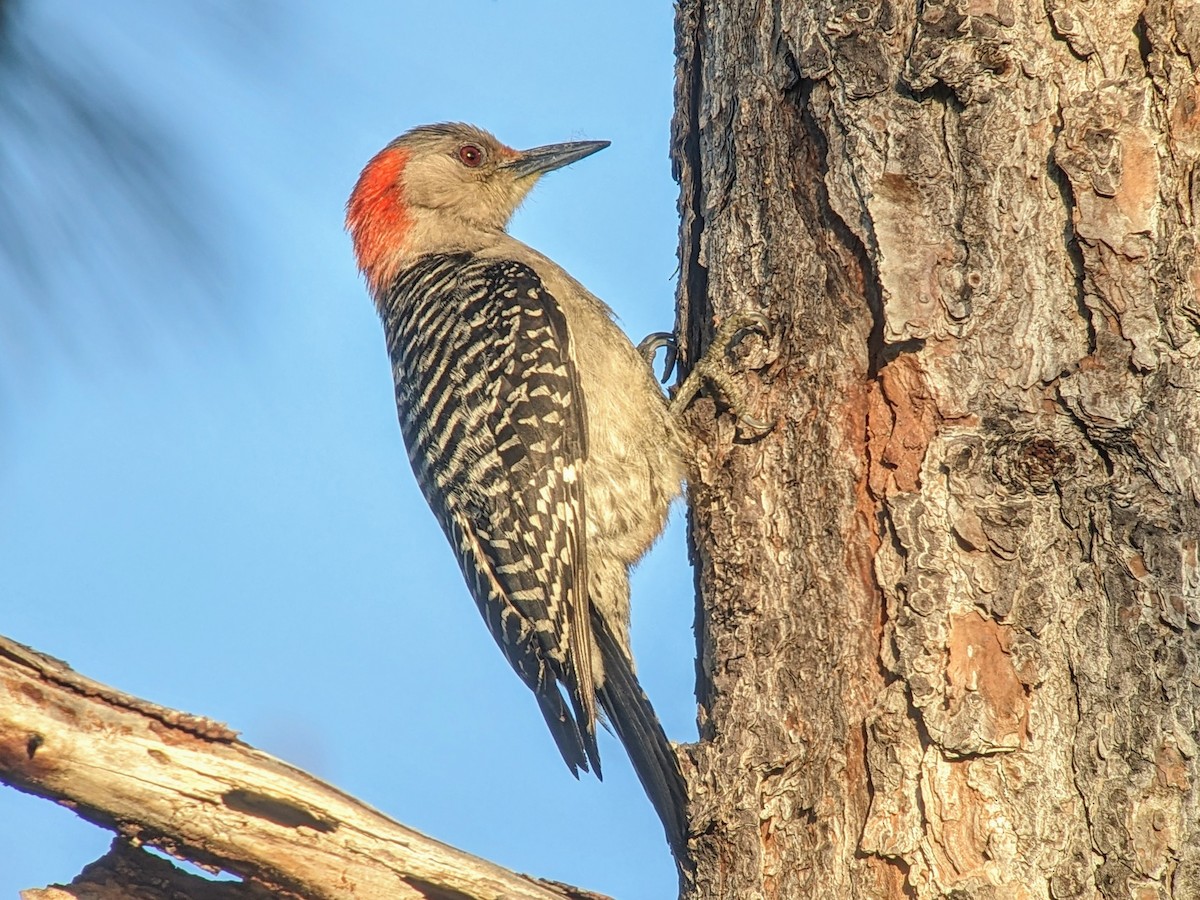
(491, 411)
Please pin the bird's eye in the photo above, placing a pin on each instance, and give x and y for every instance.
(470, 156)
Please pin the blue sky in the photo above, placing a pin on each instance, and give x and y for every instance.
(209, 505)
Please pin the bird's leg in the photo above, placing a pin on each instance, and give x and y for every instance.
(712, 368)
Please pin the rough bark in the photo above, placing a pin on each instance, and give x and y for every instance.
(185, 785)
(948, 642)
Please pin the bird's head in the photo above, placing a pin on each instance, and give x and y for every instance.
(438, 187)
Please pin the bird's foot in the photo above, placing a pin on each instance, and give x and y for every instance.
(712, 368)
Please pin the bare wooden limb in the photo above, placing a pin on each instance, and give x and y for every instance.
(127, 872)
(189, 787)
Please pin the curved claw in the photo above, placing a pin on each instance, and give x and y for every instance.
(654, 342)
(736, 327)
(755, 425)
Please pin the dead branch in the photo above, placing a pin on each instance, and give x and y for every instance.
(187, 786)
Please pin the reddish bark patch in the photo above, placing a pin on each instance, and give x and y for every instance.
(901, 421)
(861, 545)
(980, 664)
(1172, 768)
(959, 830)
(1137, 566)
(1184, 131)
(889, 878)
(863, 538)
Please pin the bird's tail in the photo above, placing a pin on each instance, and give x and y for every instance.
(576, 742)
(629, 710)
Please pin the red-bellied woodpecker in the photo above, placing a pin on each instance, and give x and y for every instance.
(535, 429)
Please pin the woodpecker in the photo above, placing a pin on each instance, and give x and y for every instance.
(535, 430)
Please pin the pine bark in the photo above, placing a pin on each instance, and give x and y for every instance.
(950, 604)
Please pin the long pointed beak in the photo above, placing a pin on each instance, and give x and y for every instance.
(541, 160)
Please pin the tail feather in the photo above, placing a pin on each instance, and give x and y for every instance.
(632, 716)
(576, 744)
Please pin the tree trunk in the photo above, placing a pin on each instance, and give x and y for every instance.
(948, 643)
